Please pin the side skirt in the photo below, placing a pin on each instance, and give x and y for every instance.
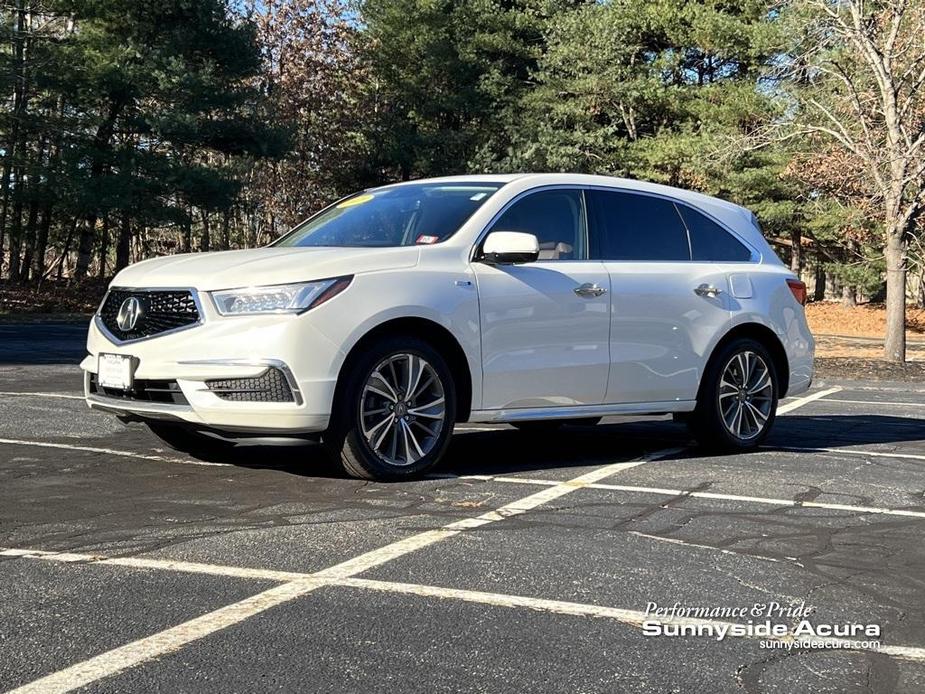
(525, 414)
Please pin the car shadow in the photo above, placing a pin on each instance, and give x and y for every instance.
(506, 450)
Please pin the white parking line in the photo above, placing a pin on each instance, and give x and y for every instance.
(799, 402)
(166, 641)
(631, 617)
(721, 550)
(159, 644)
(366, 561)
(301, 584)
(708, 495)
(846, 451)
(64, 396)
(158, 565)
(110, 451)
(872, 402)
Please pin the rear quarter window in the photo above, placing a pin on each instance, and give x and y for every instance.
(709, 241)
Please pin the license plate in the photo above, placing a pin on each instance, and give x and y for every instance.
(115, 371)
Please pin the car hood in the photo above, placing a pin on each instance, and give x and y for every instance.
(231, 269)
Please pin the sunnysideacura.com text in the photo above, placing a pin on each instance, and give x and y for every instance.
(776, 625)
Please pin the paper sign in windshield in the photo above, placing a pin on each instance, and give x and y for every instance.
(352, 202)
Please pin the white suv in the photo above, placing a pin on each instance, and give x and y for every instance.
(390, 316)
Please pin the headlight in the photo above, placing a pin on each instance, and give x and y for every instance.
(278, 298)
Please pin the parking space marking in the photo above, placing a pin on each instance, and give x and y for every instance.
(629, 617)
(174, 638)
(872, 402)
(377, 557)
(158, 565)
(805, 400)
(846, 451)
(706, 495)
(695, 545)
(65, 396)
(163, 642)
(112, 451)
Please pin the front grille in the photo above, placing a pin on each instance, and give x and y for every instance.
(161, 310)
(270, 386)
(144, 390)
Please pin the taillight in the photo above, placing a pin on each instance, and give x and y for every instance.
(799, 290)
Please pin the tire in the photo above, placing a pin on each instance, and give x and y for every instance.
(540, 426)
(376, 436)
(725, 406)
(186, 440)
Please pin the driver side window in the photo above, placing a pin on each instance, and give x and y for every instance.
(555, 217)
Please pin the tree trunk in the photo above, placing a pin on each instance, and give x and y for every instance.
(31, 222)
(895, 345)
(67, 248)
(796, 252)
(226, 230)
(102, 142)
(19, 107)
(204, 240)
(16, 232)
(188, 235)
(104, 247)
(85, 246)
(849, 296)
(819, 289)
(41, 243)
(124, 245)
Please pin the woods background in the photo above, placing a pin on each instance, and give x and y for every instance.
(132, 128)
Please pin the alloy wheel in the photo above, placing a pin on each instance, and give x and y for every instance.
(746, 391)
(402, 409)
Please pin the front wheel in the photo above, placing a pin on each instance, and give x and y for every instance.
(395, 415)
(737, 403)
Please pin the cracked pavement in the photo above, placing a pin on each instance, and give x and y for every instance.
(778, 524)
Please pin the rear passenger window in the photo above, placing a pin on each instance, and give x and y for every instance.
(627, 226)
(709, 241)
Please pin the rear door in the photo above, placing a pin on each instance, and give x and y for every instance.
(666, 308)
(545, 325)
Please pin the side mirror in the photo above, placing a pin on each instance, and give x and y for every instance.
(503, 247)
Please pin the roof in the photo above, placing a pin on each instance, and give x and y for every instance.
(582, 179)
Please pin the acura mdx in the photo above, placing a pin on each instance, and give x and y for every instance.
(385, 319)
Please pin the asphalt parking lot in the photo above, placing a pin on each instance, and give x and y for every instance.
(525, 563)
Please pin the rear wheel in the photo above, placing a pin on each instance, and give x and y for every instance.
(395, 415)
(737, 403)
(545, 425)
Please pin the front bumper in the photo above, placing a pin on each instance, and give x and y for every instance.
(228, 348)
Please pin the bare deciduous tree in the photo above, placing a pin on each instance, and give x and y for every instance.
(860, 70)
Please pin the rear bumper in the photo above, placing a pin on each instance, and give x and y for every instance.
(228, 349)
(800, 355)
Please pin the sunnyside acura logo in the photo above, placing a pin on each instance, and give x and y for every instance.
(129, 313)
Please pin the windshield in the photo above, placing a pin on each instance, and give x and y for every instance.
(405, 215)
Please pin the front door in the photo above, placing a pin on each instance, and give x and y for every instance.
(544, 344)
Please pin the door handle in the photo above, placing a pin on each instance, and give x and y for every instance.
(588, 289)
(707, 290)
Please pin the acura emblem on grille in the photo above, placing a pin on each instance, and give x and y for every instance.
(129, 313)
